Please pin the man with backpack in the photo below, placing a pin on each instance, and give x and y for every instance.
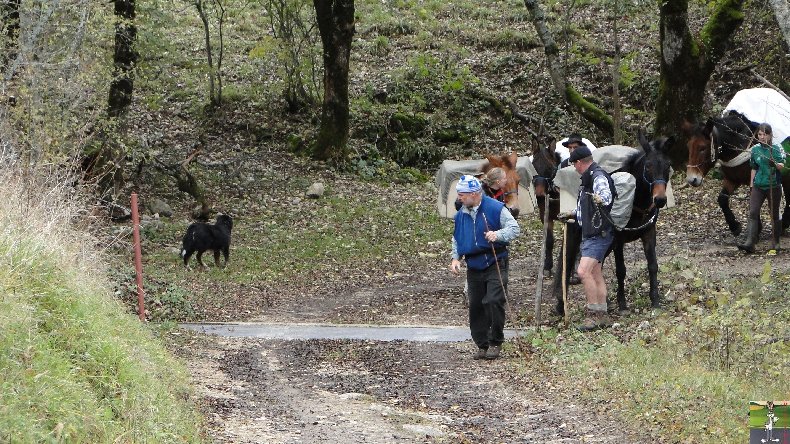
(596, 195)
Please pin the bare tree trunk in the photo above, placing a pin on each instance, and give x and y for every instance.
(336, 26)
(687, 63)
(617, 110)
(572, 97)
(124, 59)
(782, 14)
(221, 51)
(109, 164)
(207, 38)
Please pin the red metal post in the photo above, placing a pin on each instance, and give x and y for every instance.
(138, 258)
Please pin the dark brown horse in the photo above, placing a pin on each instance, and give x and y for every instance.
(651, 168)
(510, 190)
(546, 161)
(727, 140)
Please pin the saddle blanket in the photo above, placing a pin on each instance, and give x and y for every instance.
(451, 170)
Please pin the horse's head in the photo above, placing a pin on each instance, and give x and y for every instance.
(719, 138)
(545, 161)
(699, 147)
(656, 167)
(512, 179)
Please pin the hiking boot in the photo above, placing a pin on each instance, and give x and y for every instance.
(589, 324)
(752, 232)
(480, 354)
(604, 321)
(595, 320)
(775, 237)
(493, 352)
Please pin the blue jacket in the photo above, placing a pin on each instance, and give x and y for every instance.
(469, 234)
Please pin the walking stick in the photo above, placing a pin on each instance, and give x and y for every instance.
(539, 288)
(493, 250)
(772, 170)
(565, 271)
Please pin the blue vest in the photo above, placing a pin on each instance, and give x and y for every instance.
(470, 238)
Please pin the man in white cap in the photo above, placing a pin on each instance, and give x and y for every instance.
(483, 229)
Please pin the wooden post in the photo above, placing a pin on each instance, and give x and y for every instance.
(138, 258)
(539, 284)
(565, 271)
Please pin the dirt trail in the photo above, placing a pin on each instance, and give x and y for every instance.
(343, 391)
(322, 391)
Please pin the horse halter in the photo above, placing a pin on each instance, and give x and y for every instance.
(548, 183)
(503, 193)
(654, 181)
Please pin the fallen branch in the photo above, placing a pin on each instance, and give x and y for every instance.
(186, 182)
(767, 83)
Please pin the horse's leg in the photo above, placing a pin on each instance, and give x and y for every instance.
(649, 245)
(724, 203)
(619, 263)
(548, 262)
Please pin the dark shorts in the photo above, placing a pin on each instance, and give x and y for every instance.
(597, 247)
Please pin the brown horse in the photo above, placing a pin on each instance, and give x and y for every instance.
(727, 140)
(510, 190)
(546, 161)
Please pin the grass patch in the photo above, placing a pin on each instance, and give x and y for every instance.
(669, 396)
(321, 235)
(722, 344)
(76, 366)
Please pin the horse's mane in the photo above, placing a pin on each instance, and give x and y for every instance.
(743, 120)
(541, 160)
(632, 159)
(499, 160)
(734, 130)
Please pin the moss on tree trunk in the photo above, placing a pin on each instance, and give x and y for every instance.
(573, 98)
(687, 63)
(592, 113)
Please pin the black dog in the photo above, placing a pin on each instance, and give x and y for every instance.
(201, 237)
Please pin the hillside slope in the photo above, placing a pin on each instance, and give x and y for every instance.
(75, 366)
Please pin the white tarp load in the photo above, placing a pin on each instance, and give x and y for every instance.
(451, 170)
(563, 151)
(610, 158)
(625, 184)
(764, 105)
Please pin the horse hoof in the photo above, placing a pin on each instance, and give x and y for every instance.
(623, 312)
(736, 231)
(547, 273)
(574, 280)
(559, 310)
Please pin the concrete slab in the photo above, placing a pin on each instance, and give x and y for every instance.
(337, 331)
